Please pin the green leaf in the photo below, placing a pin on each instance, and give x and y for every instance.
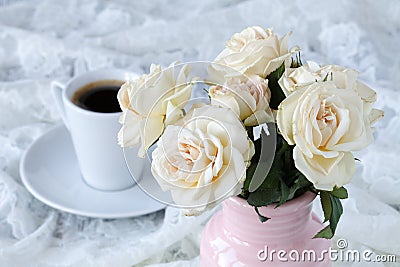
(277, 95)
(337, 211)
(283, 148)
(300, 184)
(285, 191)
(326, 205)
(272, 180)
(263, 197)
(293, 177)
(324, 233)
(340, 192)
(261, 217)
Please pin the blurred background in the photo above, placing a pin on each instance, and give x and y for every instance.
(45, 40)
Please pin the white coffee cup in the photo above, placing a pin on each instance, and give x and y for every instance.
(94, 134)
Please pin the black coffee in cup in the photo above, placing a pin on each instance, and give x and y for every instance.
(99, 96)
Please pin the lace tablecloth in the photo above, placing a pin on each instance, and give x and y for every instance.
(45, 40)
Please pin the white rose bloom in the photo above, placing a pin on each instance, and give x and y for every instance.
(254, 51)
(294, 78)
(326, 123)
(342, 77)
(151, 102)
(204, 159)
(248, 98)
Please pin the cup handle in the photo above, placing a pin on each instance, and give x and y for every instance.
(57, 90)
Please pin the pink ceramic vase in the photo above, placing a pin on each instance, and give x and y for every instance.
(235, 236)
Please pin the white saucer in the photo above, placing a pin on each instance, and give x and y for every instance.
(49, 170)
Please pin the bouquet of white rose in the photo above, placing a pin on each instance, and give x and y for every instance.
(259, 90)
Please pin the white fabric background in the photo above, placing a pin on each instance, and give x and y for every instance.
(45, 40)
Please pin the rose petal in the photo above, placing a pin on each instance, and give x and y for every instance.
(375, 115)
(340, 170)
(285, 114)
